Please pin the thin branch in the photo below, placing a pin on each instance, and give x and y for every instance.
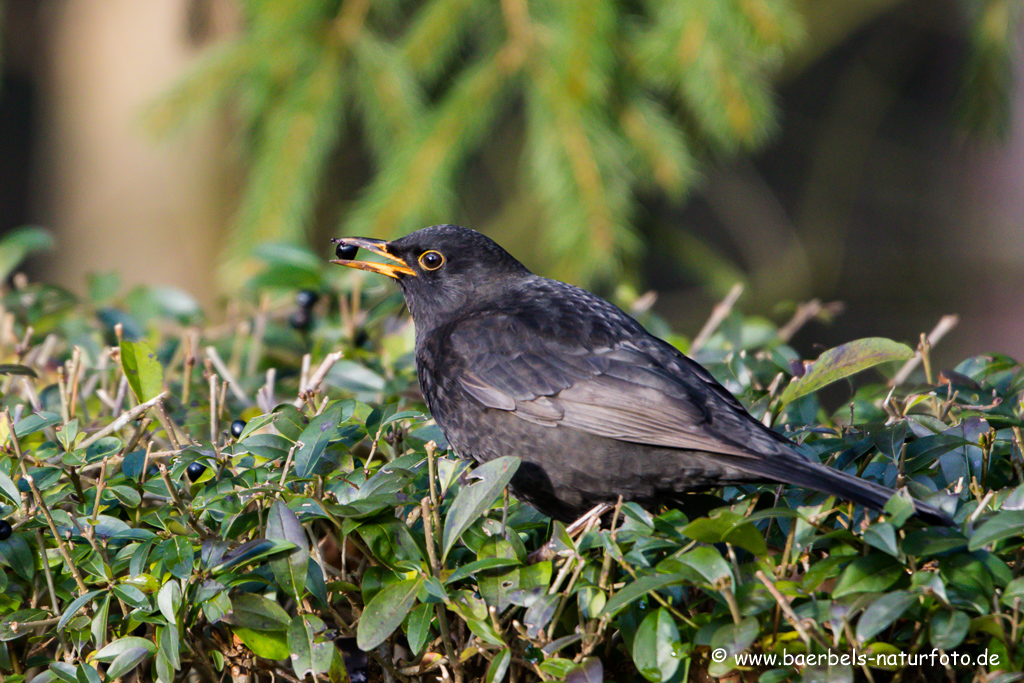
(947, 323)
(718, 314)
(123, 419)
(222, 368)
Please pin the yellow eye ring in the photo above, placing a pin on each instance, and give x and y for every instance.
(431, 260)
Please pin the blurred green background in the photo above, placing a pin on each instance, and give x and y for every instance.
(861, 151)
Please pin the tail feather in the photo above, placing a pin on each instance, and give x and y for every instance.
(791, 468)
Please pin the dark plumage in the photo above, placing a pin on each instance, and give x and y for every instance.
(595, 407)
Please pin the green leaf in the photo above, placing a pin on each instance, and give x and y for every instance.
(169, 646)
(557, 667)
(315, 583)
(131, 596)
(68, 673)
(249, 552)
(217, 606)
(639, 588)
(883, 612)
(383, 614)
(591, 601)
(7, 629)
(168, 600)
(102, 448)
(656, 646)
(178, 556)
(843, 361)
(128, 660)
(481, 565)
(728, 527)
(883, 537)
(538, 615)
(18, 244)
(736, 638)
(73, 608)
(35, 422)
(266, 644)
(16, 369)
(314, 438)
(708, 564)
(9, 489)
(87, 674)
(900, 508)
(99, 627)
(291, 569)
(289, 421)
(948, 629)
(143, 370)
(497, 585)
(1013, 590)
(474, 612)
(256, 423)
(419, 627)
(498, 667)
(122, 645)
(590, 670)
(310, 652)
(16, 553)
(404, 415)
(257, 613)
(472, 501)
(68, 434)
(868, 574)
(1002, 525)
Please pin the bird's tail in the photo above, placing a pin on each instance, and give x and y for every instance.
(792, 468)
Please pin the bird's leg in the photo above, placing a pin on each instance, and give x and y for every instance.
(547, 551)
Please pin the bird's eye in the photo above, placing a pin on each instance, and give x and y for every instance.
(431, 260)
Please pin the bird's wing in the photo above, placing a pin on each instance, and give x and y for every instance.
(639, 390)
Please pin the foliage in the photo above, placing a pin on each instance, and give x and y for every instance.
(144, 537)
(584, 106)
(610, 98)
(984, 99)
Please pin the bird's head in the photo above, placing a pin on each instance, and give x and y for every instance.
(441, 269)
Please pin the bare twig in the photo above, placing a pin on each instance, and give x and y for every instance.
(784, 605)
(435, 568)
(123, 419)
(947, 323)
(323, 369)
(82, 589)
(719, 313)
(805, 313)
(222, 368)
(265, 395)
(310, 383)
(167, 424)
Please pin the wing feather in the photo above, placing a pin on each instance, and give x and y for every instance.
(619, 391)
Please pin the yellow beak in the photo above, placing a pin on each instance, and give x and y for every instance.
(392, 270)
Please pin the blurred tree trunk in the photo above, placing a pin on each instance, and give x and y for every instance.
(120, 200)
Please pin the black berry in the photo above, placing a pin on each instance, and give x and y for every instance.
(306, 299)
(236, 428)
(300, 319)
(5, 530)
(346, 251)
(195, 470)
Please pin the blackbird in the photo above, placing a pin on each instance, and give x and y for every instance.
(511, 363)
